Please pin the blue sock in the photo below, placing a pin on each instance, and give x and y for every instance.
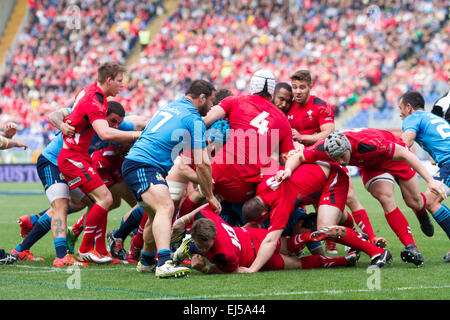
(35, 217)
(60, 247)
(147, 258)
(442, 217)
(163, 256)
(133, 221)
(40, 229)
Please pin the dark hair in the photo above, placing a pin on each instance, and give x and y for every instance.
(115, 107)
(221, 94)
(253, 209)
(414, 98)
(283, 85)
(302, 75)
(109, 70)
(203, 230)
(198, 87)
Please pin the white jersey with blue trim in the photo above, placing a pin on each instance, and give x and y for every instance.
(432, 134)
(52, 150)
(173, 129)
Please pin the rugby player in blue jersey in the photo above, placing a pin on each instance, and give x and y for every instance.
(432, 133)
(175, 128)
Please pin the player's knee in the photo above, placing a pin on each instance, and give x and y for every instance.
(414, 202)
(106, 200)
(384, 197)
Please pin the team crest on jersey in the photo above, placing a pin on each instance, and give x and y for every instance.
(310, 114)
(290, 117)
(91, 171)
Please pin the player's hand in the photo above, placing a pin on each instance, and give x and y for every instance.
(215, 204)
(438, 188)
(67, 129)
(10, 129)
(283, 174)
(244, 270)
(20, 144)
(197, 262)
(296, 135)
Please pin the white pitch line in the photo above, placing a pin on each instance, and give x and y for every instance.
(333, 292)
(54, 269)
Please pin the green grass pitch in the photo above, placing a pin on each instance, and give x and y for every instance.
(397, 281)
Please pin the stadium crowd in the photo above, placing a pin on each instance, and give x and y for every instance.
(352, 45)
(55, 57)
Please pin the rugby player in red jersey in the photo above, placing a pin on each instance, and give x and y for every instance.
(312, 119)
(233, 249)
(324, 185)
(382, 159)
(88, 117)
(258, 131)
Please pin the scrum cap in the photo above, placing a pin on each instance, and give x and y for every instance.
(262, 80)
(336, 144)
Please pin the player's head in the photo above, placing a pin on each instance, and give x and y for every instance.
(202, 92)
(218, 132)
(115, 114)
(282, 96)
(301, 86)
(254, 210)
(203, 232)
(338, 147)
(221, 94)
(410, 102)
(110, 78)
(262, 83)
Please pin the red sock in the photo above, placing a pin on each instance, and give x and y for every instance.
(363, 222)
(319, 261)
(400, 226)
(93, 220)
(187, 206)
(138, 239)
(422, 211)
(79, 225)
(100, 236)
(355, 241)
(298, 242)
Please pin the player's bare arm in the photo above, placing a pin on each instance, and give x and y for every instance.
(108, 134)
(408, 137)
(265, 252)
(403, 154)
(204, 174)
(6, 143)
(213, 115)
(294, 159)
(325, 130)
(56, 118)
